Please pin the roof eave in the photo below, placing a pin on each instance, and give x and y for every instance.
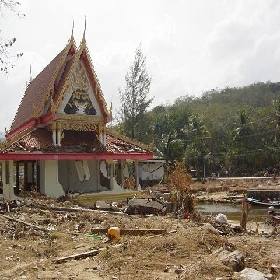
(74, 156)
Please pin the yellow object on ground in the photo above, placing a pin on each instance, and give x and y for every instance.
(114, 234)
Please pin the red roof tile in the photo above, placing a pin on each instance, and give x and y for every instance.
(63, 78)
(117, 145)
(35, 92)
(40, 140)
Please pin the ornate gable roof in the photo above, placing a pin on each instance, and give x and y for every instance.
(38, 91)
(45, 94)
(81, 59)
(52, 121)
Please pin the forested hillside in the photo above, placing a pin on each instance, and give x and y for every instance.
(231, 131)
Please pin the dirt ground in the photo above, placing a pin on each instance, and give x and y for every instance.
(36, 233)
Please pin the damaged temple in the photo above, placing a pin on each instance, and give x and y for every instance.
(59, 143)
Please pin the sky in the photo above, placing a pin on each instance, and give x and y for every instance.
(190, 46)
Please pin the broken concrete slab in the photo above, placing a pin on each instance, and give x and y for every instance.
(145, 206)
(253, 274)
(234, 259)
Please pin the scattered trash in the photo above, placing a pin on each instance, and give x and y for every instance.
(95, 236)
(134, 231)
(221, 218)
(114, 234)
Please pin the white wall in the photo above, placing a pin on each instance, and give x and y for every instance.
(49, 184)
(70, 180)
(8, 189)
(151, 171)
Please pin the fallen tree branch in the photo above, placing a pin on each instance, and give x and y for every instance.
(78, 256)
(75, 209)
(131, 231)
(25, 223)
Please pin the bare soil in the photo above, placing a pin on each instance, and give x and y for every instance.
(37, 231)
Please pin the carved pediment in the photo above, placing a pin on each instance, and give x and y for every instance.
(80, 103)
(80, 94)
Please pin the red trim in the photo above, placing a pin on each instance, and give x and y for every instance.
(33, 122)
(55, 85)
(46, 118)
(71, 51)
(83, 54)
(81, 156)
(93, 83)
(23, 127)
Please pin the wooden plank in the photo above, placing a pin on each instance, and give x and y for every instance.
(106, 196)
(78, 256)
(131, 231)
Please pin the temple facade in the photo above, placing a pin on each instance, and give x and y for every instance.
(58, 142)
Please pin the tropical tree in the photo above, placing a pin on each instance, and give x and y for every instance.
(168, 145)
(274, 125)
(199, 147)
(244, 142)
(173, 148)
(134, 98)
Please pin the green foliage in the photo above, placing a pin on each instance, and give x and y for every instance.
(134, 99)
(232, 131)
(243, 127)
(199, 143)
(168, 145)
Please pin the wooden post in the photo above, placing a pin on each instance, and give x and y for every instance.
(136, 174)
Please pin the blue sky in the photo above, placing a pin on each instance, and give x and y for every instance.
(191, 46)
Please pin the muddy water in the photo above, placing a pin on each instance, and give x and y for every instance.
(233, 212)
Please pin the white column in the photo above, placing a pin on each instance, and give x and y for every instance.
(50, 185)
(58, 133)
(53, 128)
(58, 138)
(54, 137)
(8, 183)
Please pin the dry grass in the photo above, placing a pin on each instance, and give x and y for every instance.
(187, 251)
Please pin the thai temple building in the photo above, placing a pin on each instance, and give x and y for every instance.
(58, 142)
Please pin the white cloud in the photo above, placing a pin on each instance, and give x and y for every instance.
(191, 46)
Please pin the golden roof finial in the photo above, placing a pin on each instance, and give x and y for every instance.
(111, 108)
(30, 74)
(72, 35)
(84, 36)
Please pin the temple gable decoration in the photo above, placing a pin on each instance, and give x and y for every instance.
(80, 98)
(79, 103)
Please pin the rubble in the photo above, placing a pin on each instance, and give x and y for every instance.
(253, 274)
(234, 260)
(43, 238)
(145, 206)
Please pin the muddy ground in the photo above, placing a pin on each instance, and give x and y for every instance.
(36, 233)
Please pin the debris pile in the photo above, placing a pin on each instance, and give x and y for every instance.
(45, 238)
